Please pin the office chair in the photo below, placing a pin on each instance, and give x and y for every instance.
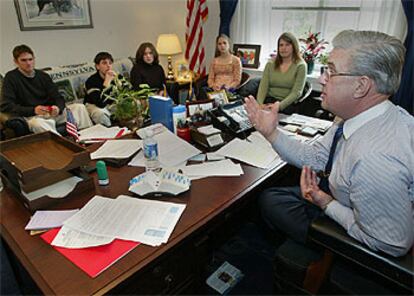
(334, 263)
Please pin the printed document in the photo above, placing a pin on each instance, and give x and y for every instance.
(248, 152)
(73, 239)
(302, 120)
(99, 132)
(118, 149)
(216, 168)
(150, 222)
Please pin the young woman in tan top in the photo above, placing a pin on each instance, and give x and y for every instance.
(225, 69)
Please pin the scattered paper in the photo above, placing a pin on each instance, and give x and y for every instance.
(302, 120)
(217, 168)
(150, 222)
(208, 130)
(99, 132)
(118, 149)
(214, 156)
(56, 190)
(73, 239)
(248, 152)
(199, 157)
(49, 219)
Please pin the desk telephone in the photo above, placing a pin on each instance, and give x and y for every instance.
(232, 118)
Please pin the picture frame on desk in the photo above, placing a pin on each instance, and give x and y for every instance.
(219, 97)
(34, 15)
(183, 72)
(249, 54)
(199, 106)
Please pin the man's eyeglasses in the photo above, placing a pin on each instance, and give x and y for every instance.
(328, 74)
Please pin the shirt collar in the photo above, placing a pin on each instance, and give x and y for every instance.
(354, 123)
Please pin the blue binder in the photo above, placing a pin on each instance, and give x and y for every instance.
(161, 111)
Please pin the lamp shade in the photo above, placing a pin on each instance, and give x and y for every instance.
(168, 44)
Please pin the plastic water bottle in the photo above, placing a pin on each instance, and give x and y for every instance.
(151, 152)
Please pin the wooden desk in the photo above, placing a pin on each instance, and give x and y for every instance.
(146, 269)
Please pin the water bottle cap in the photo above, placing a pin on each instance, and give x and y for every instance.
(179, 109)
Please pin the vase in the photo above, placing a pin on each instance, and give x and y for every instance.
(311, 65)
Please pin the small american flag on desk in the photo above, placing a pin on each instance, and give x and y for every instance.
(71, 126)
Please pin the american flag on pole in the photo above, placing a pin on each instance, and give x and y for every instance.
(71, 126)
(197, 12)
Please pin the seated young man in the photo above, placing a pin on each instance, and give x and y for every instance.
(96, 86)
(31, 93)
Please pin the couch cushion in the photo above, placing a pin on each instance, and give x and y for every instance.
(71, 79)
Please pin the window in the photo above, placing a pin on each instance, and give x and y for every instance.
(262, 22)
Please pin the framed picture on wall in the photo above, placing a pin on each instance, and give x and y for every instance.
(249, 54)
(53, 14)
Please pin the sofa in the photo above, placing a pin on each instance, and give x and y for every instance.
(70, 80)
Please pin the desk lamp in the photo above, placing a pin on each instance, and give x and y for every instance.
(169, 44)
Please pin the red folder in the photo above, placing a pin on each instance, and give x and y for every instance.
(93, 260)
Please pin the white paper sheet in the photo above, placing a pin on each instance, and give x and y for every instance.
(49, 219)
(248, 152)
(139, 161)
(118, 149)
(100, 133)
(56, 190)
(302, 120)
(147, 221)
(217, 168)
(211, 156)
(72, 239)
(172, 149)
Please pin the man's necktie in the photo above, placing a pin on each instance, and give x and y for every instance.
(324, 183)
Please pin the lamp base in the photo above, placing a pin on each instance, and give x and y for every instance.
(170, 73)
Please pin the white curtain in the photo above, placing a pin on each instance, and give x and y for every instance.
(251, 25)
(386, 16)
(252, 21)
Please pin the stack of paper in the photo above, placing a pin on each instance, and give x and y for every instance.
(42, 220)
(209, 169)
(167, 181)
(302, 120)
(100, 133)
(103, 219)
(118, 149)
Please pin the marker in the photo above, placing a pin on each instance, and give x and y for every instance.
(103, 178)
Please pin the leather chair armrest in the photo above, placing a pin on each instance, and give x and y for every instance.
(332, 236)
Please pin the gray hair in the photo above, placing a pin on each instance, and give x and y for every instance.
(376, 55)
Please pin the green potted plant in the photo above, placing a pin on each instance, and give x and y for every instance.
(129, 107)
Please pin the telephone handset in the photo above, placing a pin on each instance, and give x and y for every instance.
(232, 118)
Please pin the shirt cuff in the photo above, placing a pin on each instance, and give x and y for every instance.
(341, 214)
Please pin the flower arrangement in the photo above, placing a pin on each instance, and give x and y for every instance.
(312, 47)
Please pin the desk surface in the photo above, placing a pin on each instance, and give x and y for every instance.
(54, 274)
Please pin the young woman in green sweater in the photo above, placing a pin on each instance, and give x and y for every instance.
(284, 78)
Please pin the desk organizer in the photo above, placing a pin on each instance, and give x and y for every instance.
(35, 161)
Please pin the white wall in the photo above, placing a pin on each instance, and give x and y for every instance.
(119, 26)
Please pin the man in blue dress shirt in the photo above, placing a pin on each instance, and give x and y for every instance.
(369, 153)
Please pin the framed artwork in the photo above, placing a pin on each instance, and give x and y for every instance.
(219, 97)
(182, 72)
(53, 14)
(249, 54)
(199, 106)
